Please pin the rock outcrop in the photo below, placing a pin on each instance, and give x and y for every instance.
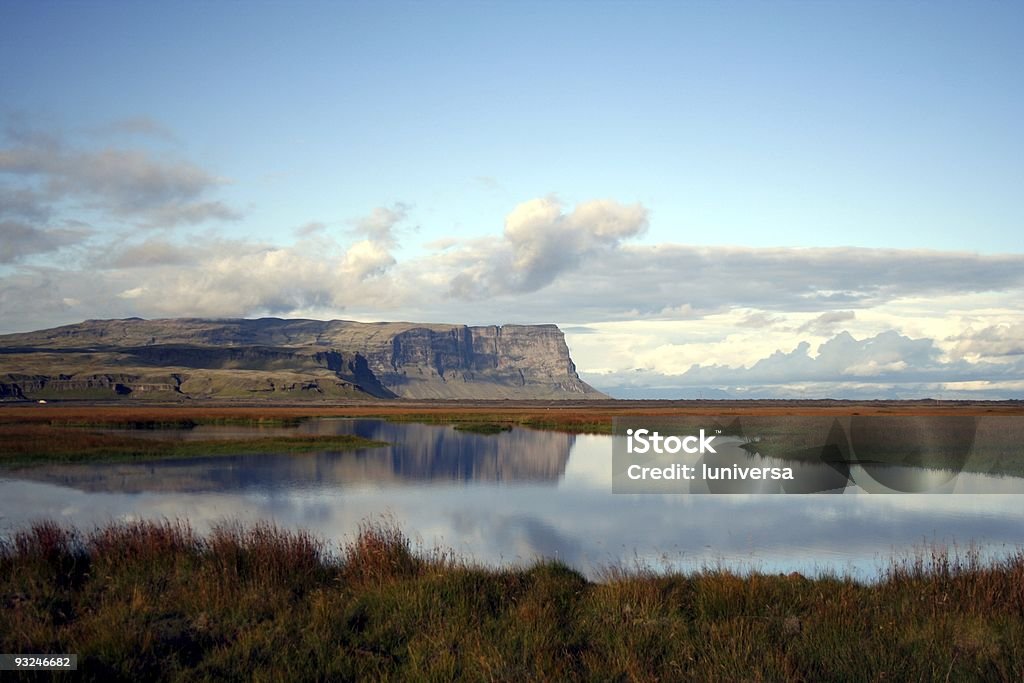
(271, 357)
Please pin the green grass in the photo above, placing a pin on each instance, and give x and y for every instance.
(156, 601)
(27, 445)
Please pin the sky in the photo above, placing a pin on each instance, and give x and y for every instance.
(712, 199)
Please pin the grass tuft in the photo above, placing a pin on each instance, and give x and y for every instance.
(381, 552)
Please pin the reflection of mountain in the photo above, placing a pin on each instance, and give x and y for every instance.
(419, 453)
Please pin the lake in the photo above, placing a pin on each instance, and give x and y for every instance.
(515, 496)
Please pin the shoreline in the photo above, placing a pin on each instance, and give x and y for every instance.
(37, 433)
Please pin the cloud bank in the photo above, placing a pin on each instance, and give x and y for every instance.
(112, 230)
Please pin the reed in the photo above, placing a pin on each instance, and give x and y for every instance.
(157, 601)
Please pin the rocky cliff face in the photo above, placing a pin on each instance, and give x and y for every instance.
(288, 358)
(511, 361)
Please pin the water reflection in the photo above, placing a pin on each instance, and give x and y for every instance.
(512, 497)
(418, 453)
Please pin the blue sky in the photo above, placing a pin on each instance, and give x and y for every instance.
(156, 155)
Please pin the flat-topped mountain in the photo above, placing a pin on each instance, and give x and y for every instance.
(283, 359)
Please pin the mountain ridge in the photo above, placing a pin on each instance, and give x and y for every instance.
(287, 358)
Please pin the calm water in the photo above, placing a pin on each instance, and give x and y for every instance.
(512, 497)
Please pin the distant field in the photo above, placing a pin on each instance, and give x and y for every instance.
(595, 414)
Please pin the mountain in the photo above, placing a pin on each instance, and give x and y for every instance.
(287, 359)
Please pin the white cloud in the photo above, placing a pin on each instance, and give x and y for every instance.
(541, 242)
(366, 258)
(826, 322)
(992, 341)
(841, 366)
(380, 226)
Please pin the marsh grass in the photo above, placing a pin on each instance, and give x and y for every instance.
(573, 422)
(31, 444)
(157, 601)
(483, 427)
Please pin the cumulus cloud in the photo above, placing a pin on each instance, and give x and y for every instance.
(366, 258)
(727, 307)
(221, 277)
(372, 257)
(886, 364)
(380, 226)
(578, 257)
(887, 356)
(992, 341)
(540, 242)
(231, 279)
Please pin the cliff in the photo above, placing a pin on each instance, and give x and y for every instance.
(270, 357)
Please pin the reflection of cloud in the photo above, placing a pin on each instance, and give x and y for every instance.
(585, 525)
(535, 538)
(418, 453)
